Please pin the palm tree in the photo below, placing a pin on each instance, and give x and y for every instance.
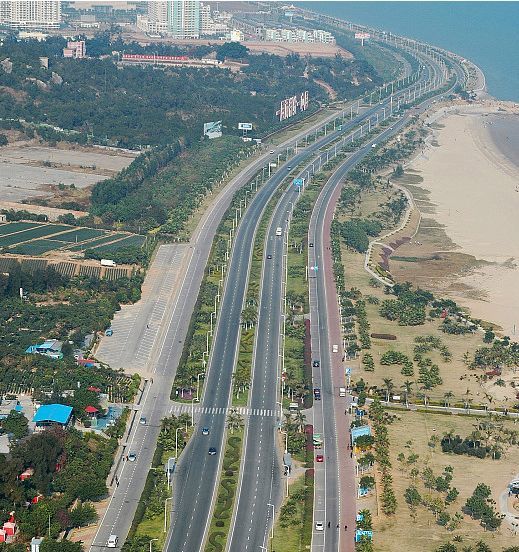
(447, 396)
(300, 421)
(388, 383)
(234, 420)
(449, 435)
(407, 387)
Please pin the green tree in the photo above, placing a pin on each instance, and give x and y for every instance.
(15, 423)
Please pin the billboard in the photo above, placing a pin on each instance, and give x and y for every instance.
(213, 129)
(291, 106)
(362, 36)
(244, 126)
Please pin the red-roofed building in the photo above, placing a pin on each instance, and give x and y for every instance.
(29, 472)
(95, 389)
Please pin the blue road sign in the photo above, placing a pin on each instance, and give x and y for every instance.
(298, 182)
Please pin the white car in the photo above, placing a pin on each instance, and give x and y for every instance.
(112, 541)
(272, 152)
(132, 456)
(319, 526)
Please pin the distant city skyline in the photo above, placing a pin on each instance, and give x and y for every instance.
(30, 14)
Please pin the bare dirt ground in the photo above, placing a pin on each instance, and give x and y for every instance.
(30, 170)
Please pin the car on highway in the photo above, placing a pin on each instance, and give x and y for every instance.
(142, 421)
(319, 526)
(335, 348)
(205, 431)
(271, 152)
(212, 451)
(109, 332)
(289, 167)
(316, 364)
(112, 541)
(317, 394)
(132, 456)
(310, 244)
(269, 256)
(319, 458)
(373, 145)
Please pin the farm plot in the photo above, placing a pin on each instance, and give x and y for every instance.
(94, 271)
(33, 233)
(36, 247)
(135, 240)
(11, 227)
(79, 235)
(99, 241)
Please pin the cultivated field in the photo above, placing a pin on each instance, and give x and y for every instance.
(33, 238)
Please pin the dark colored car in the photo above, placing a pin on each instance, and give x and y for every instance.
(317, 394)
(316, 364)
(212, 451)
(319, 458)
(311, 244)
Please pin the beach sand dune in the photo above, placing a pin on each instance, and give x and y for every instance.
(472, 177)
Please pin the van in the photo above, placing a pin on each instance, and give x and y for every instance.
(278, 231)
(342, 391)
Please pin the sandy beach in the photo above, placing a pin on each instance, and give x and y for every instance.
(470, 175)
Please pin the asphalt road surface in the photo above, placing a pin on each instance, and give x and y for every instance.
(154, 403)
(196, 477)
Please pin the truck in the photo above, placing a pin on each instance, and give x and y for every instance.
(279, 231)
(317, 440)
(107, 262)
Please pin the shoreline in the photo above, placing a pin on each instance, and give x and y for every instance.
(466, 186)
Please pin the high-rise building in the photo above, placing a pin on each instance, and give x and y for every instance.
(30, 14)
(184, 18)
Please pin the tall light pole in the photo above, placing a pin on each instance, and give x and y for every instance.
(273, 518)
(166, 512)
(198, 384)
(176, 441)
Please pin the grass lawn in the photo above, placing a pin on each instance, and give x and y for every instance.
(411, 433)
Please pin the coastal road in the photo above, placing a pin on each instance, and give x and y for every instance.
(335, 492)
(196, 477)
(258, 489)
(154, 403)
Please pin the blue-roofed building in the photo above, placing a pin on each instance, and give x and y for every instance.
(49, 415)
(50, 348)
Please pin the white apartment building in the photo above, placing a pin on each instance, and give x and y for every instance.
(177, 18)
(30, 14)
(298, 35)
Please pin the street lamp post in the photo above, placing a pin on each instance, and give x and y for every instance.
(176, 441)
(198, 384)
(166, 512)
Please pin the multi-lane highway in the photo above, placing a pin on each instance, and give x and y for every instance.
(197, 474)
(154, 402)
(329, 475)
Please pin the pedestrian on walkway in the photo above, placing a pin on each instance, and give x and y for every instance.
(351, 454)
(345, 527)
(337, 526)
(328, 525)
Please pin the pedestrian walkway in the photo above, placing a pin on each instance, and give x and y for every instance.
(241, 410)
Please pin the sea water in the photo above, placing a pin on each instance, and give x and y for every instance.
(487, 33)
